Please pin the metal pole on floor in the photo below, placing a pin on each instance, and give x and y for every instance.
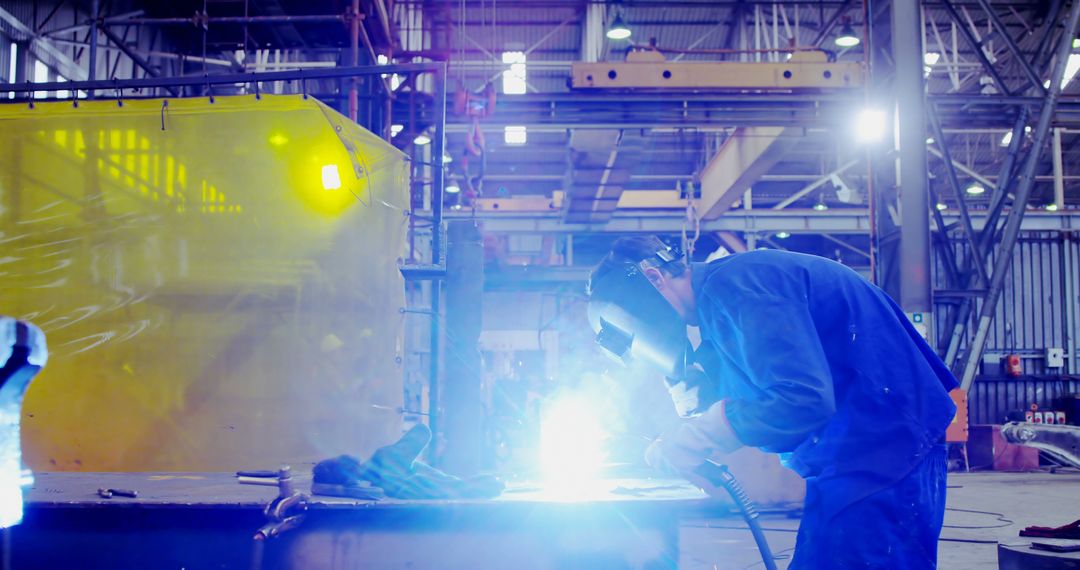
(1023, 192)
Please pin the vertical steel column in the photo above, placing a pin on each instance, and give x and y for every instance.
(910, 124)
(91, 68)
(463, 415)
(434, 380)
(354, 43)
(1023, 192)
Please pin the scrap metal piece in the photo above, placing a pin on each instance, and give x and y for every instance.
(1061, 442)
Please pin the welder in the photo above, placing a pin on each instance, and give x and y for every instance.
(801, 356)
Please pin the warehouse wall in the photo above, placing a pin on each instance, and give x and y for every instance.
(1038, 307)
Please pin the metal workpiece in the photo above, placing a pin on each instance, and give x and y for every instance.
(1061, 442)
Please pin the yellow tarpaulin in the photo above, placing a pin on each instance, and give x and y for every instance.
(218, 281)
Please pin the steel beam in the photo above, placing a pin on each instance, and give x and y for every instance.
(744, 158)
(1016, 214)
(805, 70)
(68, 68)
(1018, 55)
(909, 90)
(976, 46)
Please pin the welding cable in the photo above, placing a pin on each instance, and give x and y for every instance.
(1000, 517)
(719, 475)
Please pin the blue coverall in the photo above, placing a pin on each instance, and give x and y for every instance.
(819, 365)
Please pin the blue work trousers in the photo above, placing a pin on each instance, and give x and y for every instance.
(895, 528)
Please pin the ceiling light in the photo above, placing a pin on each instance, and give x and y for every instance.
(782, 235)
(421, 139)
(618, 29)
(847, 37)
(929, 140)
(453, 188)
(870, 125)
(931, 58)
(940, 206)
(975, 189)
(395, 129)
(515, 134)
(1051, 207)
(820, 207)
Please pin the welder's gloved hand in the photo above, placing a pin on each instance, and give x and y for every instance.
(395, 469)
(693, 393)
(688, 445)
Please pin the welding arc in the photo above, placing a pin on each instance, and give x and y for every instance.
(719, 475)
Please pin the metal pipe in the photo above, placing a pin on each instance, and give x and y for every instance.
(354, 43)
(91, 68)
(205, 20)
(226, 79)
(969, 231)
(975, 46)
(438, 173)
(1059, 171)
(1003, 33)
(1023, 192)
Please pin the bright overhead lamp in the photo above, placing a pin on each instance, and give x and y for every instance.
(820, 207)
(940, 206)
(395, 129)
(618, 29)
(421, 139)
(453, 188)
(870, 125)
(782, 235)
(1051, 207)
(929, 140)
(975, 189)
(847, 37)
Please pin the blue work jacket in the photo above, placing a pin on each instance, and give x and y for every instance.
(821, 366)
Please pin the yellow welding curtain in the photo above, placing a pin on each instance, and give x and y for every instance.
(217, 280)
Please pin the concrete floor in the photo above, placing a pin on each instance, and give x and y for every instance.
(1026, 499)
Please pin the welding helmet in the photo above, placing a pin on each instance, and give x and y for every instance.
(633, 322)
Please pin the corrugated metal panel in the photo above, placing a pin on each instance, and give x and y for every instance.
(992, 398)
(1033, 313)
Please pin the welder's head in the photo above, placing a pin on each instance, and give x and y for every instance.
(637, 304)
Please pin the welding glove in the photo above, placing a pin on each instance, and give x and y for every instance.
(397, 471)
(682, 449)
(693, 393)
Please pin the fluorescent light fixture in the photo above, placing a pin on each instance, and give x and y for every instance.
(453, 188)
(782, 235)
(870, 125)
(1051, 207)
(975, 189)
(12, 66)
(847, 37)
(1007, 137)
(940, 206)
(395, 129)
(618, 29)
(41, 75)
(930, 59)
(1071, 67)
(514, 79)
(331, 180)
(421, 140)
(515, 134)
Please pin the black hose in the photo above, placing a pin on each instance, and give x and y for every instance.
(719, 475)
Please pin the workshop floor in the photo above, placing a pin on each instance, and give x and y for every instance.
(1024, 499)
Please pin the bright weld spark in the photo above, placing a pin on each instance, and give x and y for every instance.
(572, 450)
